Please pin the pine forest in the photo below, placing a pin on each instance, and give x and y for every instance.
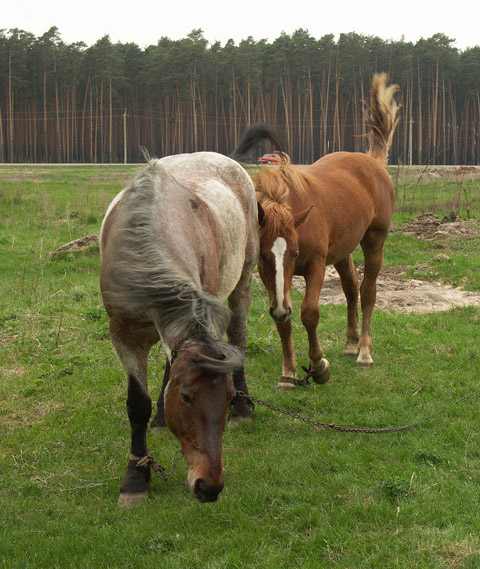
(70, 103)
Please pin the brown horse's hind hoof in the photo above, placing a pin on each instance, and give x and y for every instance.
(350, 350)
(364, 360)
(364, 365)
(126, 500)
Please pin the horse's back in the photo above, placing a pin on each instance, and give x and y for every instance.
(352, 195)
(203, 209)
(355, 178)
(228, 191)
(217, 179)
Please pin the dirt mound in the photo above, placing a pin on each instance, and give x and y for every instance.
(78, 244)
(429, 226)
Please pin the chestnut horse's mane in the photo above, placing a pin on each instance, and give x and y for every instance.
(272, 187)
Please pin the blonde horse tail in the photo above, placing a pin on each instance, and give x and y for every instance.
(382, 117)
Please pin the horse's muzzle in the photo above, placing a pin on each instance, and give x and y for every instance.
(205, 492)
(280, 318)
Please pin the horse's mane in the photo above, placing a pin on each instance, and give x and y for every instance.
(272, 188)
(145, 279)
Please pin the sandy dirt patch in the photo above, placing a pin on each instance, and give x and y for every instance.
(396, 293)
(399, 294)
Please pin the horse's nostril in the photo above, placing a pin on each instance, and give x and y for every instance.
(206, 492)
(282, 317)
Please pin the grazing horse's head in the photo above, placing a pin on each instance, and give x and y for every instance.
(278, 233)
(196, 401)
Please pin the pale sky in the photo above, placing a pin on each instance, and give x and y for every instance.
(144, 22)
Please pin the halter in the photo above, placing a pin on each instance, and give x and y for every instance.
(177, 349)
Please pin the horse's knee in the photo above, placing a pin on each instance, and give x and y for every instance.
(310, 316)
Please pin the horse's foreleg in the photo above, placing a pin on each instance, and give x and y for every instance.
(159, 419)
(314, 277)
(372, 245)
(133, 357)
(237, 333)
(349, 279)
(289, 363)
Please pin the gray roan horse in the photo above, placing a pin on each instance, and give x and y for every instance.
(176, 243)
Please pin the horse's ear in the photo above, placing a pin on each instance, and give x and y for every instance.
(301, 216)
(261, 215)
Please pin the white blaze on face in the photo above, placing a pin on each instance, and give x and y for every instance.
(278, 250)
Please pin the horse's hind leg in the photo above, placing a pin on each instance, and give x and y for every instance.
(372, 246)
(132, 346)
(349, 279)
(239, 304)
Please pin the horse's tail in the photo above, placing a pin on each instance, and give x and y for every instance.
(254, 134)
(381, 117)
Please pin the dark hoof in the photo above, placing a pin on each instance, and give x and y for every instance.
(126, 500)
(241, 407)
(135, 488)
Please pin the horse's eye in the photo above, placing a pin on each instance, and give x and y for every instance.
(263, 256)
(295, 255)
(185, 398)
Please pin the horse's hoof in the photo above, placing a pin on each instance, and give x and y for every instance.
(364, 365)
(126, 500)
(350, 350)
(287, 383)
(320, 374)
(364, 360)
(324, 374)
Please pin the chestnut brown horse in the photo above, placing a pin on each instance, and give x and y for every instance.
(176, 243)
(316, 216)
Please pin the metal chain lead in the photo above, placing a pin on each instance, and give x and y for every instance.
(341, 428)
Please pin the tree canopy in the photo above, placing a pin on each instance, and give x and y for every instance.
(75, 103)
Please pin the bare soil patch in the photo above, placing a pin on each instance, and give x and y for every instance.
(429, 226)
(397, 293)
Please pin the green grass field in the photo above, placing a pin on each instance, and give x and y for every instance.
(296, 496)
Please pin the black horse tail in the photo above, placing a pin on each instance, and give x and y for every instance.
(254, 134)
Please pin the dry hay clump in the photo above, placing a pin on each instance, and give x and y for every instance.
(82, 244)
